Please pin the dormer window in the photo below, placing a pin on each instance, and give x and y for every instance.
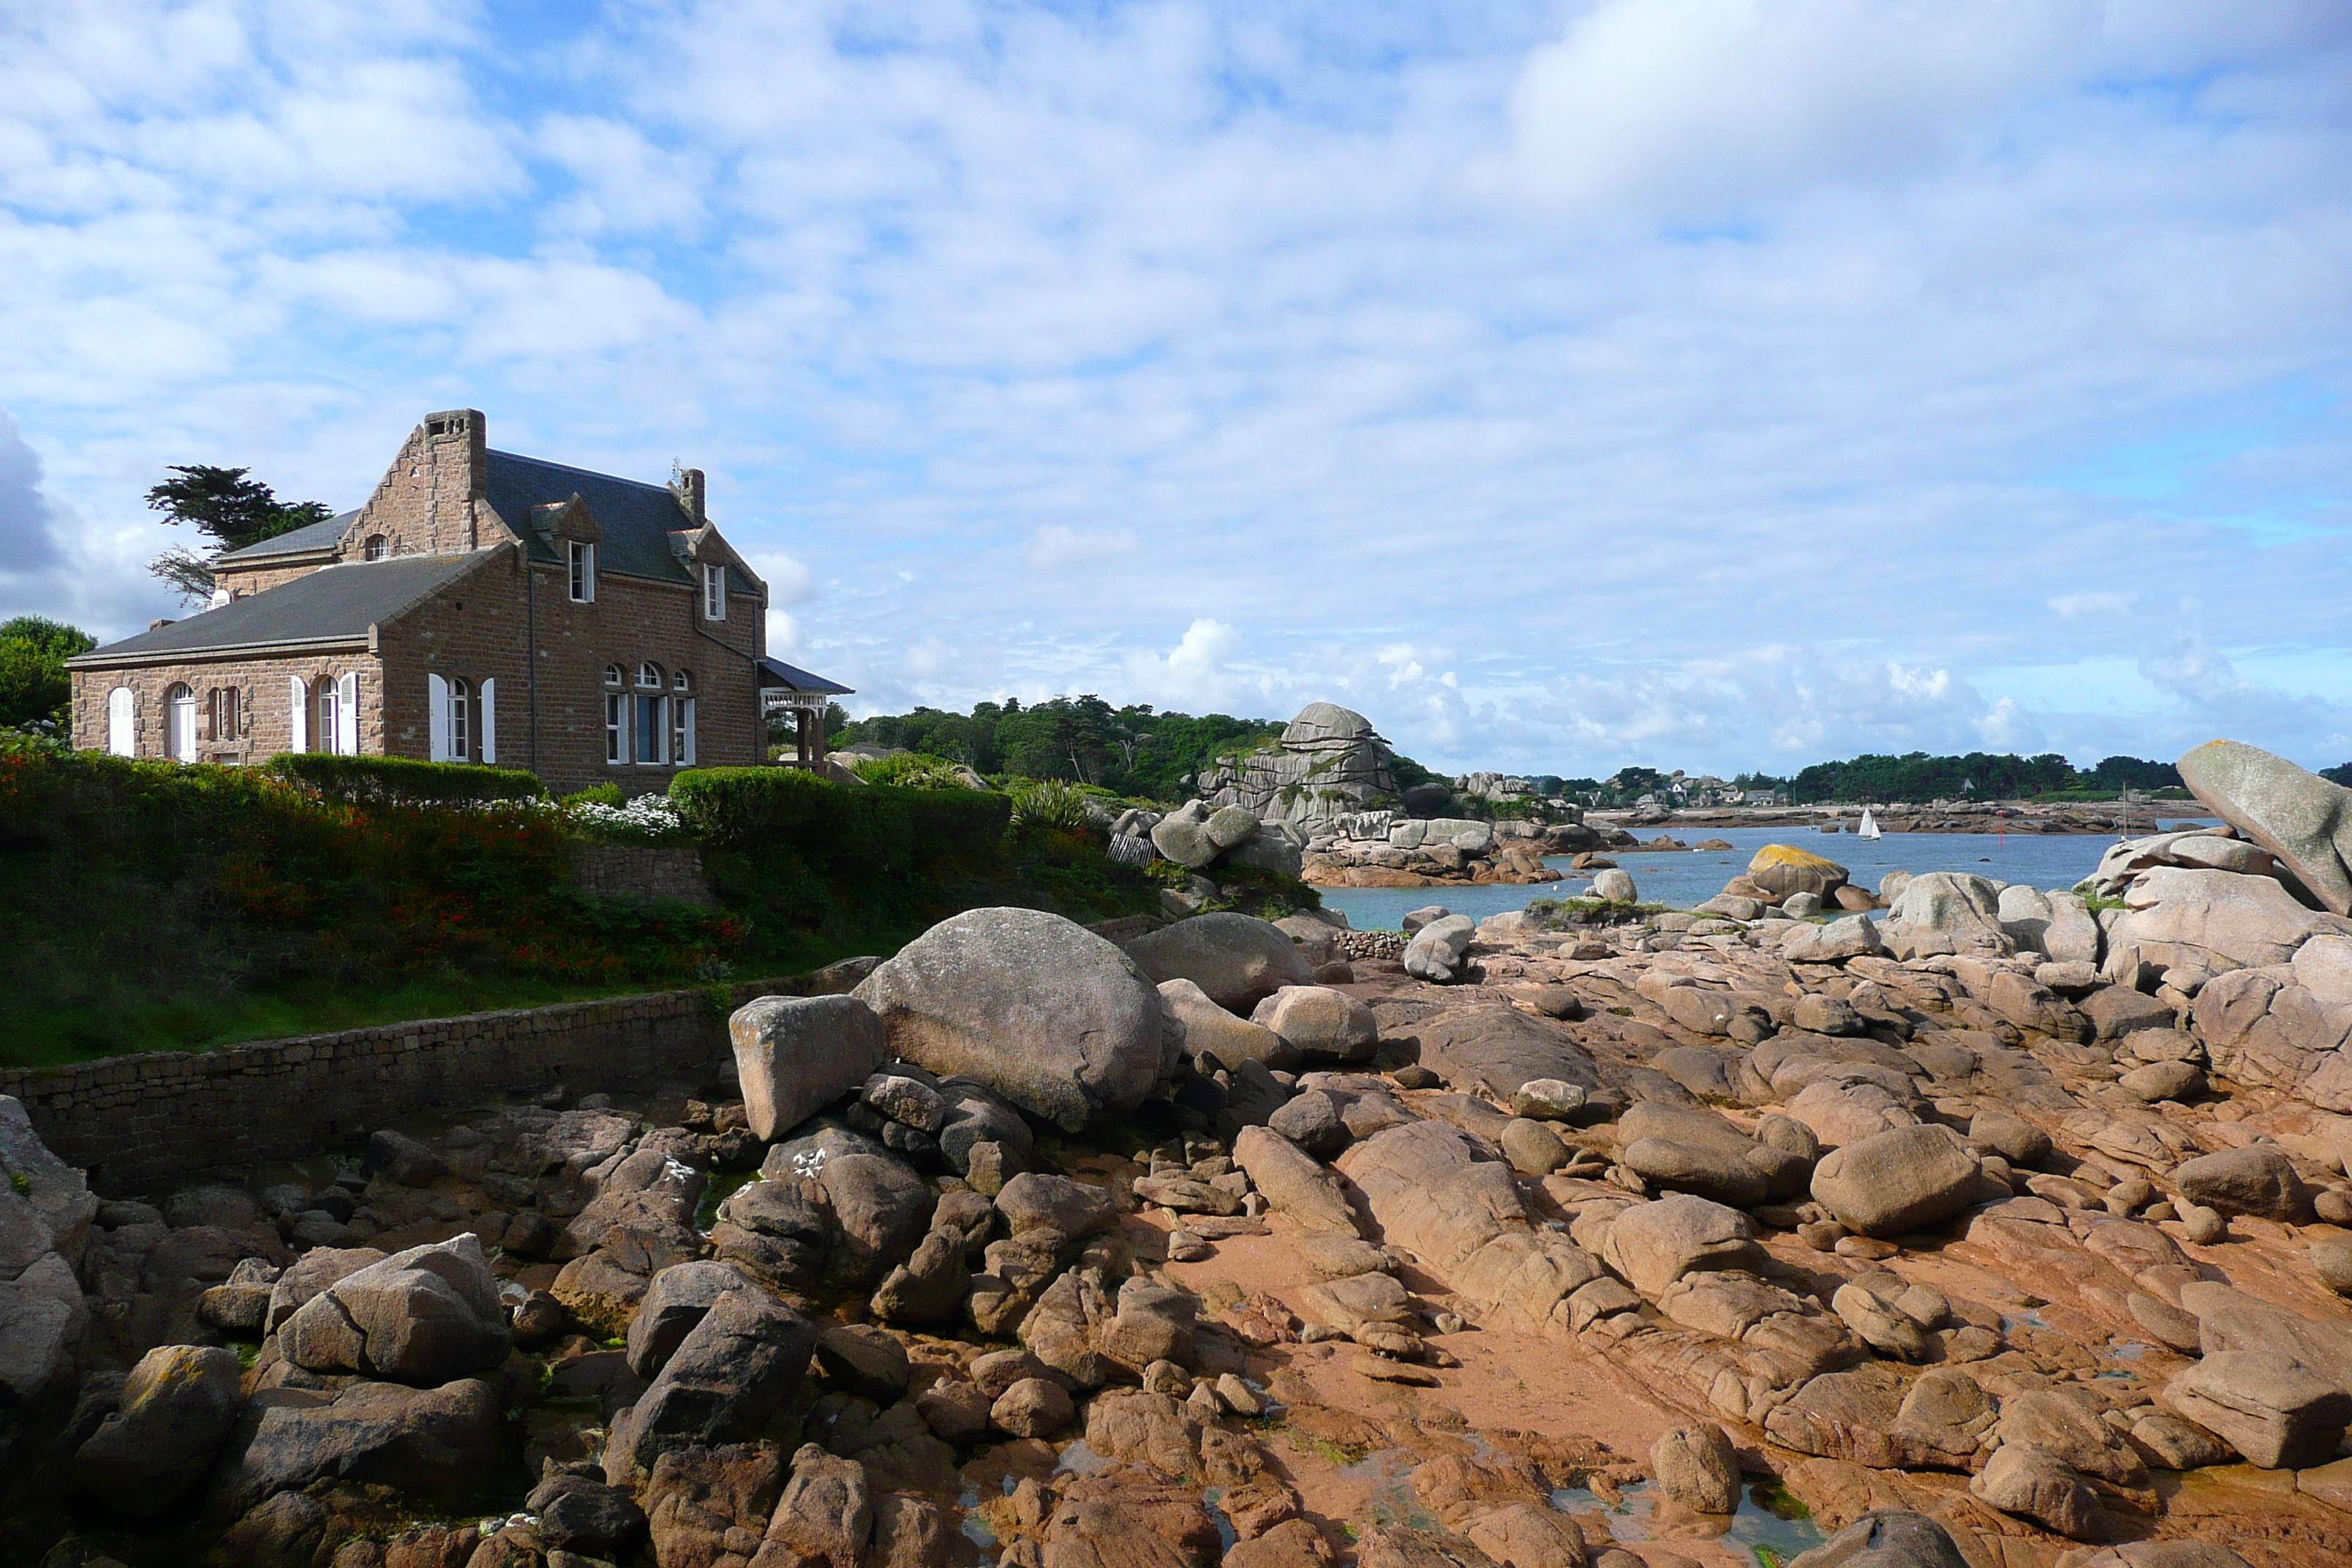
(374, 547)
(714, 591)
(582, 558)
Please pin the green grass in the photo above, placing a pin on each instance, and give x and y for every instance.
(61, 1036)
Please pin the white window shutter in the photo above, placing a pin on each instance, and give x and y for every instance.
(437, 723)
(298, 730)
(490, 722)
(686, 732)
(347, 716)
(121, 724)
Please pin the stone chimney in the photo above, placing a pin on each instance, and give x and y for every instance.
(687, 486)
(457, 442)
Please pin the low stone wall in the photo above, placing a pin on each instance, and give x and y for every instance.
(642, 872)
(134, 1120)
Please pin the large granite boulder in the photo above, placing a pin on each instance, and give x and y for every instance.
(1211, 1030)
(2271, 1407)
(1781, 869)
(1898, 1181)
(1329, 762)
(177, 1408)
(1438, 951)
(2176, 917)
(440, 1445)
(1320, 1021)
(1037, 1008)
(1653, 1245)
(2298, 816)
(796, 1055)
(1946, 913)
(736, 1368)
(424, 1316)
(2258, 1179)
(1236, 960)
(1887, 1538)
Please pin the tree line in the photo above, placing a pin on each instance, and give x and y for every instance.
(1916, 778)
(1136, 750)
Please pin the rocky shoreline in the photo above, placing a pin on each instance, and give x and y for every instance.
(1987, 1229)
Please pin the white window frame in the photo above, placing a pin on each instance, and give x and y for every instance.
(681, 729)
(122, 722)
(617, 728)
(180, 722)
(347, 716)
(581, 555)
(489, 709)
(330, 727)
(461, 699)
(714, 590)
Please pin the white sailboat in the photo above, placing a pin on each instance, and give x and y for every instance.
(1869, 828)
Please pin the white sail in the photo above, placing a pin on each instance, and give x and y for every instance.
(1869, 824)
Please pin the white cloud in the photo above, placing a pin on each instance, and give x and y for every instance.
(1054, 545)
(1691, 381)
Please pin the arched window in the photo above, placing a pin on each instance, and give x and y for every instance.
(122, 722)
(180, 723)
(649, 717)
(374, 547)
(682, 681)
(611, 675)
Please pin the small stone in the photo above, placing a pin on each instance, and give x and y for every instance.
(2206, 1227)
(1866, 1246)
(1183, 1247)
(2333, 1207)
(1236, 1396)
(1032, 1408)
(1415, 1076)
(1447, 1322)
(1822, 1235)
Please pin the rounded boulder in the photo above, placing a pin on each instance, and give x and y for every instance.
(1897, 1180)
(1236, 959)
(1044, 1012)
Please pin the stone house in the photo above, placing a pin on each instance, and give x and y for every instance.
(477, 607)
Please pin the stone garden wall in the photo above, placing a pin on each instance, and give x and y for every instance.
(134, 1120)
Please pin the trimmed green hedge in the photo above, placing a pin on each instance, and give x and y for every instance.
(378, 781)
(878, 827)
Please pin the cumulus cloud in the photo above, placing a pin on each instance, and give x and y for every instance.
(27, 545)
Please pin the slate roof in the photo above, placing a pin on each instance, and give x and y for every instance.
(316, 537)
(334, 603)
(776, 672)
(636, 519)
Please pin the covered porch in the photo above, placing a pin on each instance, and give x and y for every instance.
(787, 689)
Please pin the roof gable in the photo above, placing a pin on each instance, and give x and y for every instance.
(311, 539)
(636, 519)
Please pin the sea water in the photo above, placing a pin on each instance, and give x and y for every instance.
(1680, 879)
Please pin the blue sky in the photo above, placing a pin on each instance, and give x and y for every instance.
(1697, 383)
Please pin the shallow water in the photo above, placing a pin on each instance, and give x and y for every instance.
(1763, 1520)
(1682, 878)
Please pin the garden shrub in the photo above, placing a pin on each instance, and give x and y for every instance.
(913, 770)
(380, 780)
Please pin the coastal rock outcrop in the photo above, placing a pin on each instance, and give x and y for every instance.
(1043, 1010)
